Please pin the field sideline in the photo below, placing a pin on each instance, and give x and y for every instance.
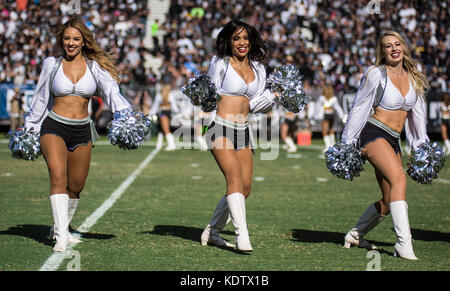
(297, 214)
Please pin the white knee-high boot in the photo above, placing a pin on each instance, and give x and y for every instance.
(292, 148)
(403, 246)
(326, 140)
(160, 140)
(447, 145)
(72, 208)
(60, 205)
(73, 205)
(332, 139)
(236, 204)
(368, 220)
(219, 219)
(170, 142)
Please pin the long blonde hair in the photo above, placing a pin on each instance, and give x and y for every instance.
(91, 49)
(420, 81)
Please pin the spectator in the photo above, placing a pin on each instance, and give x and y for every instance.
(330, 40)
(327, 33)
(155, 34)
(15, 109)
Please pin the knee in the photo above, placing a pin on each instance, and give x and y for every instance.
(382, 207)
(234, 178)
(247, 188)
(58, 179)
(398, 180)
(75, 188)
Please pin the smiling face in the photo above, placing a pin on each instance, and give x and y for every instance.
(72, 42)
(392, 49)
(240, 43)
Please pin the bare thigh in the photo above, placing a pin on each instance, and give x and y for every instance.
(388, 169)
(383, 205)
(325, 127)
(444, 131)
(54, 150)
(284, 130)
(78, 163)
(165, 124)
(236, 166)
(245, 157)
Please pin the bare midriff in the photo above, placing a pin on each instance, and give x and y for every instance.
(73, 107)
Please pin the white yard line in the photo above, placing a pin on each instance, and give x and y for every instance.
(53, 262)
(440, 180)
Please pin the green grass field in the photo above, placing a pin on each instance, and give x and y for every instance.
(298, 215)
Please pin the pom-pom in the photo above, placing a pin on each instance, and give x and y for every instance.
(24, 144)
(128, 129)
(202, 92)
(287, 82)
(425, 162)
(344, 161)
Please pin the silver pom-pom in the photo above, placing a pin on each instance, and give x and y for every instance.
(287, 81)
(202, 92)
(344, 161)
(128, 129)
(425, 162)
(24, 144)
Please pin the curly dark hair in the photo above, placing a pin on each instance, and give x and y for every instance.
(258, 49)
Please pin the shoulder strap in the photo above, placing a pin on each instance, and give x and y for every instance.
(55, 70)
(381, 87)
(90, 64)
(223, 73)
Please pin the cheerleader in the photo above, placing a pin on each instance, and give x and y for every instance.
(185, 114)
(288, 122)
(330, 107)
(162, 107)
(59, 111)
(395, 89)
(239, 74)
(445, 121)
(15, 108)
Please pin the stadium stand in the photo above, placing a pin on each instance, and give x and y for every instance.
(331, 41)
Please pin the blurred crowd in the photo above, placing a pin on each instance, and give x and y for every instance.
(331, 41)
(28, 36)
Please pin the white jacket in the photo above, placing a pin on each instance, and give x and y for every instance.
(42, 100)
(262, 101)
(415, 125)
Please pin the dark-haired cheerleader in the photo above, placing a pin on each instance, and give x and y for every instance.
(239, 74)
